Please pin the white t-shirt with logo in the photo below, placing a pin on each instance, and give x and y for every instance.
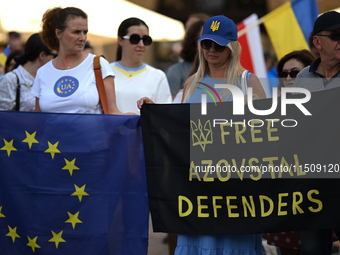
(70, 91)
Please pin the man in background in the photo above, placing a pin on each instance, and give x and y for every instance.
(322, 74)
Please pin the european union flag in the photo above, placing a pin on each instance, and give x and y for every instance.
(72, 184)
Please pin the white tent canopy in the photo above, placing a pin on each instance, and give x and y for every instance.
(104, 18)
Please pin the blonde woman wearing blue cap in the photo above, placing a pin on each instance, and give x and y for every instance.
(219, 57)
(219, 62)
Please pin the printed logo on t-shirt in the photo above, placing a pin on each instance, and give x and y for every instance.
(66, 86)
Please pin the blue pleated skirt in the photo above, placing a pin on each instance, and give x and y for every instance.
(232, 244)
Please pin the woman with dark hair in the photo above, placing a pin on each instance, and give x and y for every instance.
(15, 86)
(134, 78)
(179, 72)
(290, 65)
(65, 30)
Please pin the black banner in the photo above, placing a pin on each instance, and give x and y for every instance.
(223, 173)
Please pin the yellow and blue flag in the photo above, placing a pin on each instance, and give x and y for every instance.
(72, 184)
(3, 55)
(290, 25)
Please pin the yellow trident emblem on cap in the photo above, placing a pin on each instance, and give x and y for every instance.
(214, 25)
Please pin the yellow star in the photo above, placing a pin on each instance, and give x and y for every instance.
(8, 147)
(57, 238)
(30, 139)
(52, 148)
(1, 215)
(70, 166)
(73, 219)
(80, 192)
(12, 233)
(33, 243)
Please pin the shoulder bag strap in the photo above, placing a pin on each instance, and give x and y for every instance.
(17, 97)
(244, 83)
(100, 83)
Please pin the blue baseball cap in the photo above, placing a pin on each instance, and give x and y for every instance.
(219, 29)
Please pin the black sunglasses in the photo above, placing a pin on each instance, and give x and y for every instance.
(206, 45)
(135, 39)
(333, 37)
(54, 55)
(292, 74)
(51, 54)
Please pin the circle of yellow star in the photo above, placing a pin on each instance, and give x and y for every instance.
(52, 148)
(73, 219)
(1, 215)
(57, 238)
(33, 243)
(8, 147)
(80, 192)
(12, 233)
(70, 166)
(30, 139)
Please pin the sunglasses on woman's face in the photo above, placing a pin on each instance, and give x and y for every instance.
(206, 45)
(54, 55)
(135, 39)
(292, 74)
(334, 37)
(51, 54)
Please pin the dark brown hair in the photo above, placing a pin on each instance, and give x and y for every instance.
(33, 47)
(303, 56)
(57, 18)
(12, 55)
(189, 44)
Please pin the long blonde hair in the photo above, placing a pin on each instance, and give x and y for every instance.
(230, 75)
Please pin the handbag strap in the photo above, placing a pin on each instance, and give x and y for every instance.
(244, 82)
(100, 83)
(17, 97)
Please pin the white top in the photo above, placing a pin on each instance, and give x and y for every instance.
(132, 84)
(8, 90)
(70, 91)
(178, 97)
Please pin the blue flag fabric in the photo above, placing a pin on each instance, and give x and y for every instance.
(306, 12)
(72, 184)
(295, 18)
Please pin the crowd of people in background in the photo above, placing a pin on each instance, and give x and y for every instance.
(130, 69)
(16, 85)
(31, 81)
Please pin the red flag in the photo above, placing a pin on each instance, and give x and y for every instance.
(252, 57)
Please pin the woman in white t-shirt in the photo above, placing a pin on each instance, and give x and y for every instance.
(134, 78)
(67, 84)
